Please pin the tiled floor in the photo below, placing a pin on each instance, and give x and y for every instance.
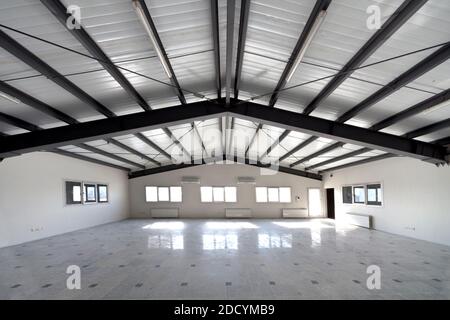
(225, 259)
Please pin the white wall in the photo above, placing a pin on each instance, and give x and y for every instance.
(32, 195)
(219, 175)
(416, 196)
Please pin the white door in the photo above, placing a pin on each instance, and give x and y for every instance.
(314, 202)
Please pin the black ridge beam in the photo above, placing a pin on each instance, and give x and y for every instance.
(109, 155)
(318, 153)
(320, 6)
(430, 62)
(36, 104)
(215, 34)
(131, 150)
(20, 52)
(277, 142)
(340, 131)
(60, 12)
(406, 10)
(243, 26)
(110, 127)
(85, 158)
(173, 79)
(359, 162)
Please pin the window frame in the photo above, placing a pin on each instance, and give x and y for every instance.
(98, 192)
(359, 186)
(378, 202)
(74, 183)
(225, 194)
(85, 192)
(351, 194)
(169, 191)
(266, 193)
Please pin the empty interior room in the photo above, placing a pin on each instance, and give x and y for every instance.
(224, 149)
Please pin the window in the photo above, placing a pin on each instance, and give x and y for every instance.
(90, 193)
(151, 194)
(374, 194)
(285, 194)
(206, 194)
(261, 194)
(273, 194)
(102, 191)
(175, 194)
(163, 194)
(230, 194)
(218, 194)
(359, 195)
(73, 192)
(347, 194)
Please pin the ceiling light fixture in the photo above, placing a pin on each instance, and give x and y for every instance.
(306, 44)
(141, 12)
(8, 97)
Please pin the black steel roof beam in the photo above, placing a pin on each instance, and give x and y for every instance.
(275, 144)
(131, 150)
(413, 134)
(318, 153)
(88, 159)
(231, 6)
(153, 145)
(252, 140)
(339, 158)
(109, 155)
(320, 6)
(428, 129)
(161, 118)
(406, 10)
(173, 78)
(60, 12)
(359, 162)
(216, 44)
(31, 127)
(19, 123)
(414, 110)
(35, 103)
(427, 64)
(177, 142)
(243, 27)
(20, 52)
(300, 146)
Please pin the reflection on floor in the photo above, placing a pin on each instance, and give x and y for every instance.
(225, 259)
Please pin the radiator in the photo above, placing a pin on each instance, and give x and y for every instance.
(360, 220)
(164, 213)
(295, 213)
(238, 213)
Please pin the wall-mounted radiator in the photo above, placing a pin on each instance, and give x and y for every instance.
(238, 213)
(295, 213)
(360, 220)
(164, 212)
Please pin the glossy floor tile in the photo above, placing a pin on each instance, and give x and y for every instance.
(225, 259)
